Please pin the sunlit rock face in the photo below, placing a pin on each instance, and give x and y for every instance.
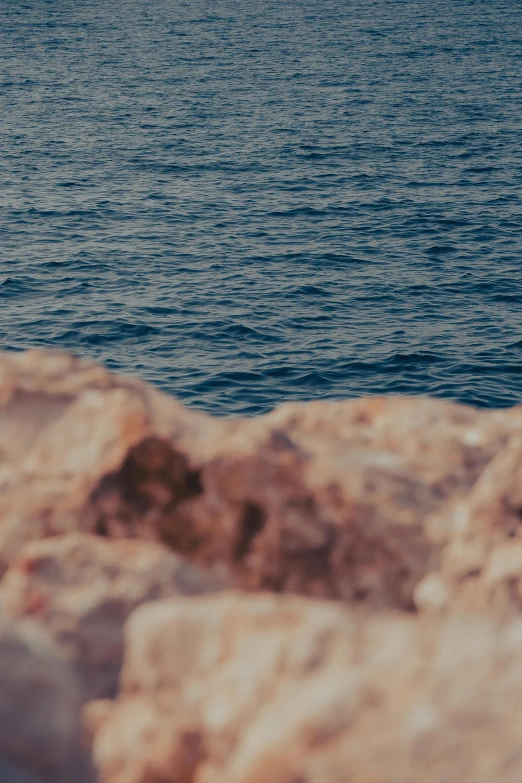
(245, 689)
(391, 525)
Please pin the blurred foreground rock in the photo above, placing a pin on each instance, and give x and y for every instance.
(82, 588)
(357, 500)
(406, 512)
(40, 707)
(251, 689)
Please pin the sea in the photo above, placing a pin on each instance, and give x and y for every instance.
(252, 202)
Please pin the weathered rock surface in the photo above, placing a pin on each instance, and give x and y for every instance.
(82, 589)
(407, 510)
(357, 500)
(40, 709)
(481, 566)
(64, 424)
(249, 689)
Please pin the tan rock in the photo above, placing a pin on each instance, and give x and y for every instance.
(359, 500)
(409, 504)
(481, 566)
(249, 689)
(40, 703)
(64, 424)
(82, 588)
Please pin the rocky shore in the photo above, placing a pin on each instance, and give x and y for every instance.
(330, 593)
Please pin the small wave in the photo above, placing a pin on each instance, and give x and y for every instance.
(12, 287)
(414, 358)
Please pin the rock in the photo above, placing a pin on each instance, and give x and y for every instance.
(82, 588)
(40, 704)
(351, 500)
(407, 510)
(249, 689)
(64, 424)
(481, 566)
(361, 500)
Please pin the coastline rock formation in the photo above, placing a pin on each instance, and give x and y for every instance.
(285, 689)
(356, 500)
(370, 553)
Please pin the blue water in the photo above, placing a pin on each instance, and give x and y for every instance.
(251, 202)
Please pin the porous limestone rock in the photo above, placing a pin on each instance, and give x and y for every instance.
(408, 510)
(362, 500)
(354, 500)
(82, 588)
(40, 709)
(249, 689)
(481, 566)
(64, 424)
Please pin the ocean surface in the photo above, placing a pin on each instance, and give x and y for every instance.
(253, 202)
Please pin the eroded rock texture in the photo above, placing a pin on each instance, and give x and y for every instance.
(406, 512)
(64, 425)
(355, 500)
(249, 689)
(82, 589)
